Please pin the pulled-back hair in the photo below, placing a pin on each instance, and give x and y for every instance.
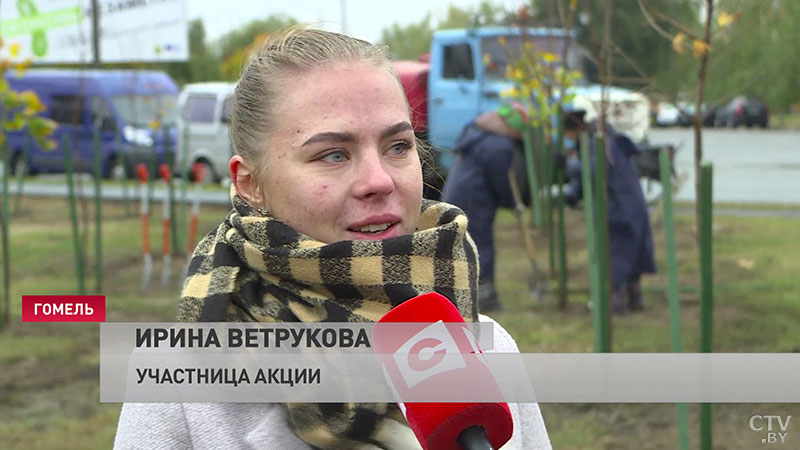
(281, 58)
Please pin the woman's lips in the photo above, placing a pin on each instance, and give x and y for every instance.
(390, 231)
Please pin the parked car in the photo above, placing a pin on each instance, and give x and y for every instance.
(667, 115)
(687, 110)
(741, 110)
(123, 105)
(204, 121)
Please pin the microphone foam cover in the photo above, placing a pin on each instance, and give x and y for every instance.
(437, 425)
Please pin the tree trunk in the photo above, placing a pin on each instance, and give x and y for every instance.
(698, 113)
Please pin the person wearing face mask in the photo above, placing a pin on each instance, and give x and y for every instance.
(629, 233)
(328, 225)
(478, 183)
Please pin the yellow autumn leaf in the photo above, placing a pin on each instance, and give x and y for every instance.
(16, 123)
(41, 127)
(154, 124)
(23, 66)
(573, 5)
(518, 74)
(699, 47)
(47, 144)
(549, 57)
(32, 103)
(14, 49)
(487, 59)
(724, 19)
(677, 42)
(502, 41)
(510, 92)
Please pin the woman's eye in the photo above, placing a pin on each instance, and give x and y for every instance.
(400, 147)
(333, 157)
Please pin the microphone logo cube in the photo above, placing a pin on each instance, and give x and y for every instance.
(430, 352)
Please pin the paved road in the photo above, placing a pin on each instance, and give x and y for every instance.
(55, 189)
(750, 165)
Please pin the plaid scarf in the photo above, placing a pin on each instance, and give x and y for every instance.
(256, 268)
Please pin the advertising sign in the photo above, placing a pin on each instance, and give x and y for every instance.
(60, 31)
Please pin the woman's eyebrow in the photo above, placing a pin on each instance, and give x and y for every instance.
(335, 136)
(394, 129)
(330, 136)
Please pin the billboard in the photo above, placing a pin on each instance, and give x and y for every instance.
(60, 31)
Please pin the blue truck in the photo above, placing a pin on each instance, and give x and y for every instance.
(123, 105)
(451, 85)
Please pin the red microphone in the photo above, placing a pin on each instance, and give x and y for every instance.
(423, 360)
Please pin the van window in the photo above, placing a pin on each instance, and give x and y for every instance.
(200, 108)
(100, 114)
(458, 62)
(141, 110)
(226, 110)
(67, 109)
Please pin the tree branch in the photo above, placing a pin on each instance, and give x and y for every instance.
(669, 20)
(648, 12)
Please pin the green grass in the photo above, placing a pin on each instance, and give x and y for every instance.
(49, 379)
(785, 121)
(757, 309)
(49, 386)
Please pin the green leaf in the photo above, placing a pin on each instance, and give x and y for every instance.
(41, 127)
(46, 144)
(16, 123)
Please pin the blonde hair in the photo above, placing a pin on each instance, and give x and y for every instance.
(282, 56)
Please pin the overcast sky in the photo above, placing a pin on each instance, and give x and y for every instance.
(363, 18)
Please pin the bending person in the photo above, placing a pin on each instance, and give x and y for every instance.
(478, 183)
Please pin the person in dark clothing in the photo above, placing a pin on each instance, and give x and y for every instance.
(629, 234)
(478, 183)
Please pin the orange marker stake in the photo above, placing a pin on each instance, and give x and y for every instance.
(144, 210)
(198, 173)
(166, 174)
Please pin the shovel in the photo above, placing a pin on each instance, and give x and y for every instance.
(536, 283)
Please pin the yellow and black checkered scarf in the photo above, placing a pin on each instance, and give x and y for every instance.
(256, 268)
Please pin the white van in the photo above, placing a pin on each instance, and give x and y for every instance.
(205, 109)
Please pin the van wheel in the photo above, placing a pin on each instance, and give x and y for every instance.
(115, 169)
(18, 164)
(210, 173)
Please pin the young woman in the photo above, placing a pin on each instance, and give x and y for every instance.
(328, 224)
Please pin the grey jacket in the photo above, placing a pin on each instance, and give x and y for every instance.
(232, 426)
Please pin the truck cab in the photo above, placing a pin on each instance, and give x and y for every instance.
(461, 85)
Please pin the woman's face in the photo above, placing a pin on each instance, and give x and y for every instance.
(342, 163)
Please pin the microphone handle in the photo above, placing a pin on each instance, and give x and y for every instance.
(474, 438)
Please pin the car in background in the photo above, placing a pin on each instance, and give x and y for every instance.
(667, 115)
(204, 116)
(688, 111)
(742, 110)
(132, 110)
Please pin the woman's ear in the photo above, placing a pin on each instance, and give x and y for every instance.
(245, 182)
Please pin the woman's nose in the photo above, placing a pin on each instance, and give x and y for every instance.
(372, 178)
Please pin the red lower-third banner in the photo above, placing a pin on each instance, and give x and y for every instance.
(63, 308)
